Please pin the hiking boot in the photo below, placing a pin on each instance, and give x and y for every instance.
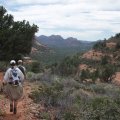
(11, 107)
(15, 110)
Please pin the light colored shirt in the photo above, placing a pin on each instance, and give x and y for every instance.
(7, 75)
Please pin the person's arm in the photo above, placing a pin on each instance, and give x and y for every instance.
(6, 76)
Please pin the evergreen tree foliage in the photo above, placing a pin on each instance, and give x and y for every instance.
(35, 67)
(104, 60)
(15, 37)
(100, 45)
(69, 65)
(117, 35)
(106, 73)
(84, 75)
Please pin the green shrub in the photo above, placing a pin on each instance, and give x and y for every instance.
(50, 94)
(45, 116)
(3, 66)
(102, 108)
(35, 67)
(98, 89)
(69, 116)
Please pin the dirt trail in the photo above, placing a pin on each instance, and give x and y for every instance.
(24, 105)
(22, 111)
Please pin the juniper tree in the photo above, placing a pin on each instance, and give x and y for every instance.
(15, 37)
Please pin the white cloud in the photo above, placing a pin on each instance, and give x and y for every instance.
(83, 19)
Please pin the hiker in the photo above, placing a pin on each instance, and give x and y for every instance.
(13, 88)
(21, 67)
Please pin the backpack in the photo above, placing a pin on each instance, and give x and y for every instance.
(14, 75)
(22, 69)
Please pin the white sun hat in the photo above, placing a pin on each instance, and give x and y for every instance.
(20, 61)
(12, 62)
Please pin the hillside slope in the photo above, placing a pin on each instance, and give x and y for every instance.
(104, 59)
(109, 48)
(37, 46)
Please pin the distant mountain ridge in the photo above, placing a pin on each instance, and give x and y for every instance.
(59, 48)
(58, 41)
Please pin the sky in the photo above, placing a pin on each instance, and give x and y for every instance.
(82, 19)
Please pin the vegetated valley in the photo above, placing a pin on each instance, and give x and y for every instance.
(83, 86)
(59, 48)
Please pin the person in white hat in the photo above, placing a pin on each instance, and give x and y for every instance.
(13, 88)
